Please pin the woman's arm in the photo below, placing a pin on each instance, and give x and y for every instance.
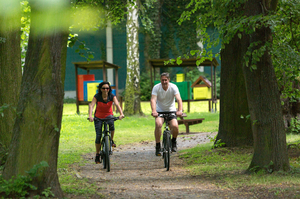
(91, 108)
(116, 102)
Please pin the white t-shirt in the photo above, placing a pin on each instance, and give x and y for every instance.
(165, 99)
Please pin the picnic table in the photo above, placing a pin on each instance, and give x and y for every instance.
(188, 122)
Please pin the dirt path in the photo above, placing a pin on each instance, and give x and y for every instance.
(137, 173)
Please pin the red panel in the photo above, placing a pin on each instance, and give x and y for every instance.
(80, 80)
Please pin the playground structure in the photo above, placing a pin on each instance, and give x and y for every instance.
(94, 65)
(212, 101)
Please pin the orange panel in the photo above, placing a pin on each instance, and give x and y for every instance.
(80, 80)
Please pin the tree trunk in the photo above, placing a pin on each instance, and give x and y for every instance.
(10, 81)
(270, 149)
(132, 94)
(233, 130)
(37, 127)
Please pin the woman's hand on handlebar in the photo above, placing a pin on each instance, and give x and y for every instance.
(121, 117)
(91, 119)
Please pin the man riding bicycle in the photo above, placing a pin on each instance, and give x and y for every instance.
(104, 100)
(163, 100)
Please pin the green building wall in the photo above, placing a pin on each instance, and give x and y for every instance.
(95, 42)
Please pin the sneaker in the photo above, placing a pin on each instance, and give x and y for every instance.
(97, 159)
(174, 146)
(113, 143)
(157, 151)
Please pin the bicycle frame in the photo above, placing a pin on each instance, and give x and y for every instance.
(166, 139)
(106, 142)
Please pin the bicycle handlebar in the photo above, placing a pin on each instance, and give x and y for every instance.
(105, 119)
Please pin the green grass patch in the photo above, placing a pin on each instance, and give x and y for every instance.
(225, 167)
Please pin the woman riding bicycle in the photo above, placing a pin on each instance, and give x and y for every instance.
(104, 100)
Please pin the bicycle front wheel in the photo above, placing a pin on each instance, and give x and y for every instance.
(167, 151)
(107, 147)
(103, 155)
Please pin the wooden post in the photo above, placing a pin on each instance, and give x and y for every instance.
(76, 80)
(215, 86)
(212, 87)
(152, 82)
(117, 86)
(117, 82)
(104, 72)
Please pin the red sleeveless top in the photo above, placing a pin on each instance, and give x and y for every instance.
(103, 109)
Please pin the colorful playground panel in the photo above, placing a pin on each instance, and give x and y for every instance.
(202, 93)
(80, 80)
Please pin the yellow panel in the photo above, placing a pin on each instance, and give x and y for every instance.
(91, 90)
(179, 77)
(202, 93)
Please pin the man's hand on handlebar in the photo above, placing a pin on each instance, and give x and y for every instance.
(121, 117)
(154, 114)
(179, 113)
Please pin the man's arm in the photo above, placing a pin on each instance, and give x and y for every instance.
(91, 108)
(153, 105)
(179, 101)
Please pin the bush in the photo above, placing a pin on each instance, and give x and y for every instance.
(295, 126)
(20, 186)
(146, 86)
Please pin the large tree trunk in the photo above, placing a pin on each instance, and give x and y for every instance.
(37, 127)
(10, 81)
(132, 94)
(233, 130)
(270, 149)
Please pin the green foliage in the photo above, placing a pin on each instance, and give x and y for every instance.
(218, 144)
(82, 49)
(146, 87)
(20, 186)
(3, 154)
(228, 19)
(150, 18)
(262, 170)
(285, 51)
(178, 39)
(295, 126)
(25, 29)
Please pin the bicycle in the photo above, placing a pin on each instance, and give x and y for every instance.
(106, 144)
(167, 144)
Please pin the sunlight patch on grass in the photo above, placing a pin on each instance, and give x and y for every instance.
(72, 185)
(291, 138)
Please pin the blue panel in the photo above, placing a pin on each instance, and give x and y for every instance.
(85, 88)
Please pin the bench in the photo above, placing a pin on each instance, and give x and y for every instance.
(188, 122)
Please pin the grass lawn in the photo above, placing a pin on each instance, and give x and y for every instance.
(225, 167)
(78, 134)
